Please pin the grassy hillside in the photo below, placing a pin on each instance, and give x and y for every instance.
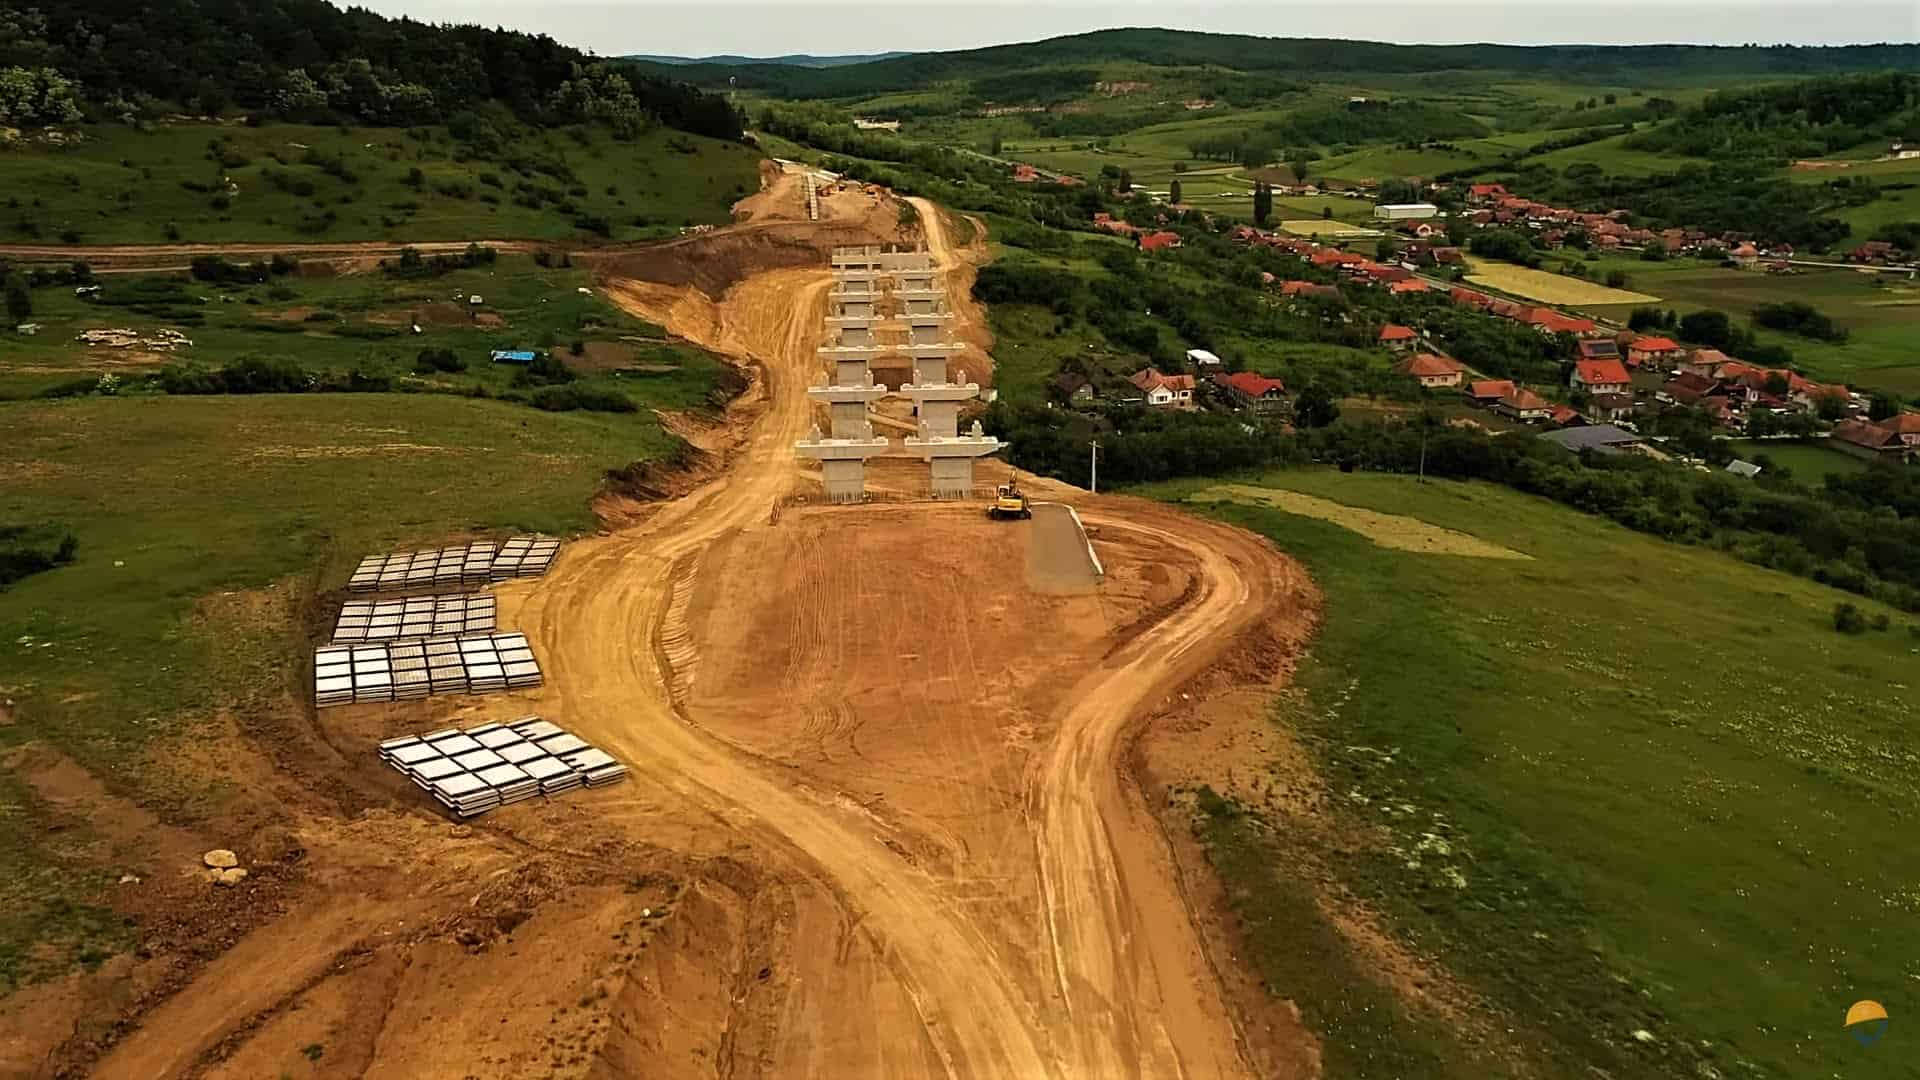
(360, 323)
(196, 182)
(174, 503)
(1622, 788)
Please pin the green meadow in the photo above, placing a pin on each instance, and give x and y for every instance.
(205, 183)
(1642, 799)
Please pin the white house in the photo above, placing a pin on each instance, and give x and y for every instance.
(1412, 211)
(1164, 391)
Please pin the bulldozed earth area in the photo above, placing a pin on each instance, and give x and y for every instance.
(893, 810)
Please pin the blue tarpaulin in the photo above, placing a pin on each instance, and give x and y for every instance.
(512, 356)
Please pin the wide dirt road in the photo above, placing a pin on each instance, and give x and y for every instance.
(1122, 986)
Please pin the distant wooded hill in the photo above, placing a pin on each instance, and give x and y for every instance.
(309, 60)
(806, 60)
(1624, 65)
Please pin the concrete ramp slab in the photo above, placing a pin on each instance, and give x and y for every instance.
(1060, 559)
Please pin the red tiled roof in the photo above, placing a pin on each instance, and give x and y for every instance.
(1426, 364)
(1159, 241)
(1905, 423)
(1151, 378)
(1408, 286)
(1250, 384)
(1689, 388)
(1563, 413)
(1862, 433)
(1522, 399)
(1396, 332)
(1558, 323)
(1601, 372)
(1490, 388)
(1654, 344)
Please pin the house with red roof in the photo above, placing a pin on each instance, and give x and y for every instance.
(1523, 404)
(1597, 349)
(1897, 437)
(1549, 321)
(1486, 193)
(1431, 371)
(1309, 288)
(1409, 286)
(1564, 416)
(1468, 297)
(1600, 377)
(1251, 391)
(1164, 240)
(1653, 350)
(1398, 338)
(1486, 392)
(1164, 391)
(1025, 174)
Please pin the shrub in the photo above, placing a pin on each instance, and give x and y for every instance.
(1847, 618)
(545, 370)
(26, 551)
(433, 360)
(578, 348)
(584, 398)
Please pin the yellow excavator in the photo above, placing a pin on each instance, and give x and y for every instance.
(1009, 503)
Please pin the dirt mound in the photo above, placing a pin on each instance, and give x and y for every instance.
(717, 261)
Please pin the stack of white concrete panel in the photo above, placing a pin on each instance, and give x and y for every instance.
(445, 615)
(475, 770)
(409, 670)
(524, 556)
(460, 564)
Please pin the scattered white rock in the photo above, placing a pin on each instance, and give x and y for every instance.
(221, 859)
(230, 877)
(1643, 1035)
(129, 879)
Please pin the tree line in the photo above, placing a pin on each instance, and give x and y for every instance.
(1809, 118)
(308, 60)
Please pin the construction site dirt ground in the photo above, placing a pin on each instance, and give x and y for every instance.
(893, 811)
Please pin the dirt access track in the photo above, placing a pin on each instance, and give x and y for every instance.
(883, 819)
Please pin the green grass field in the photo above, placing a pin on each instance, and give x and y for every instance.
(1882, 316)
(177, 501)
(1624, 787)
(1809, 463)
(281, 183)
(364, 321)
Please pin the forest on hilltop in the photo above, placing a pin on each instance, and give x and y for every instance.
(308, 60)
(1296, 57)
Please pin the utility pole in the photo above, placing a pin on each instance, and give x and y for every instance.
(1093, 480)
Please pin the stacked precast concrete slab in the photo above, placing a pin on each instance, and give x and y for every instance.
(865, 277)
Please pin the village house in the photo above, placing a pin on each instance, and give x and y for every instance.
(1597, 349)
(1400, 288)
(1609, 407)
(1488, 392)
(1896, 438)
(1746, 256)
(1251, 391)
(1398, 338)
(1653, 350)
(1025, 174)
(1523, 404)
(1432, 372)
(1309, 288)
(1073, 388)
(1113, 225)
(1482, 194)
(1164, 391)
(1599, 377)
(1163, 240)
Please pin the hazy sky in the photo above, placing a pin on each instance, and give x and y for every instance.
(772, 27)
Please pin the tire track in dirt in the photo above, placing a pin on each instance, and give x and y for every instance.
(594, 615)
(1123, 988)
